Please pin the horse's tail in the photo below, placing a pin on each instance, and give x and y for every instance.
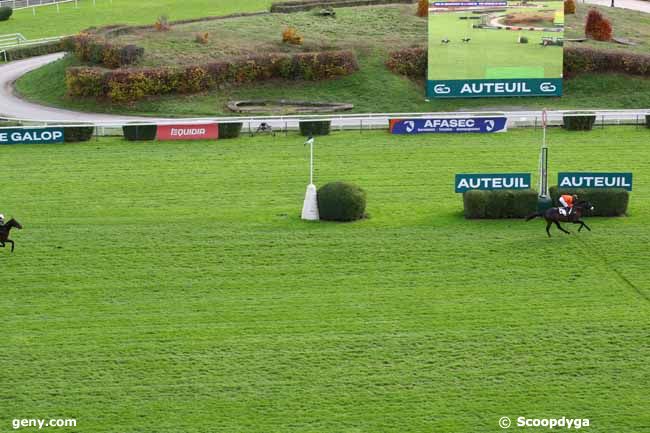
(534, 215)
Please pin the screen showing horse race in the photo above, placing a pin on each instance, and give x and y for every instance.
(495, 48)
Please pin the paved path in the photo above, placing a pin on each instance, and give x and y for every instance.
(637, 5)
(12, 106)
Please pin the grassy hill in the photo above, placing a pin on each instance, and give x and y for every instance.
(371, 32)
(172, 287)
(70, 20)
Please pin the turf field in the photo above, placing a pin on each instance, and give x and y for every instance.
(491, 53)
(171, 287)
(69, 20)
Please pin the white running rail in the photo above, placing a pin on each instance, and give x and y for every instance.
(24, 4)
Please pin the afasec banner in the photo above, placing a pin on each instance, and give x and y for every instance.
(206, 131)
(466, 182)
(491, 88)
(453, 124)
(31, 135)
(595, 180)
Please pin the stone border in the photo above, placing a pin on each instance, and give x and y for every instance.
(307, 106)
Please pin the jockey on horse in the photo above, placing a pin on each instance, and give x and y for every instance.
(567, 201)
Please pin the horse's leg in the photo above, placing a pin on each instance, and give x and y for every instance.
(557, 223)
(584, 224)
(12, 244)
(548, 227)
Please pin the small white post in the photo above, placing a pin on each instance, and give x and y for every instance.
(310, 205)
(58, 11)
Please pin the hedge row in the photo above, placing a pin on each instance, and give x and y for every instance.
(73, 134)
(582, 60)
(97, 51)
(499, 203)
(125, 85)
(607, 202)
(305, 5)
(19, 52)
(412, 62)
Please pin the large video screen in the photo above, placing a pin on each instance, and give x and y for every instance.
(490, 49)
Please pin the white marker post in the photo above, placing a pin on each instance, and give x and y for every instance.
(544, 198)
(310, 205)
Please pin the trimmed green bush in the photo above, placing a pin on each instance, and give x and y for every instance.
(607, 201)
(73, 134)
(230, 130)
(314, 127)
(340, 201)
(507, 203)
(579, 121)
(5, 13)
(17, 53)
(139, 132)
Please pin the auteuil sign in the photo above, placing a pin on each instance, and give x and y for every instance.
(31, 135)
(595, 180)
(467, 182)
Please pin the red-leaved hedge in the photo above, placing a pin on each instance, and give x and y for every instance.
(597, 26)
(411, 62)
(131, 84)
(97, 51)
(584, 60)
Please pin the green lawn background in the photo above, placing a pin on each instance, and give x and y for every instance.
(172, 287)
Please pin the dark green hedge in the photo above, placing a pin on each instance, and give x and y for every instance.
(230, 130)
(647, 120)
(140, 132)
(340, 201)
(579, 121)
(19, 52)
(5, 13)
(314, 127)
(72, 134)
(499, 203)
(607, 202)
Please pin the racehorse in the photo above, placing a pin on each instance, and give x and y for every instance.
(553, 215)
(4, 232)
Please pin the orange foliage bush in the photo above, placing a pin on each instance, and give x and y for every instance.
(569, 7)
(291, 36)
(423, 8)
(202, 38)
(598, 27)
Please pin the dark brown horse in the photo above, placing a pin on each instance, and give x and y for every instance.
(4, 233)
(553, 215)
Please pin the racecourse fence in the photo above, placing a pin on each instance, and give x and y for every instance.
(344, 122)
(24, 4)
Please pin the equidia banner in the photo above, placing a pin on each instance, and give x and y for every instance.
(206, 131)
(595, 180)
(466, 182)
(454, 124)
(31, 135)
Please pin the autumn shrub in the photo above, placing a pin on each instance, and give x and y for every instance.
(423, 8)
(569, 7)
(290, 36)
(162, 24)
(597, 26)
(202, 38)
